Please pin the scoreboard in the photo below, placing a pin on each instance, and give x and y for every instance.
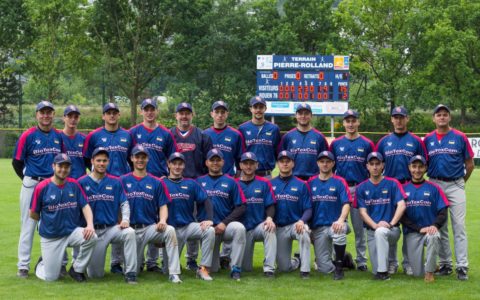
(286, 80)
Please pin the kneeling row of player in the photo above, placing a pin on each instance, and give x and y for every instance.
(237, 212)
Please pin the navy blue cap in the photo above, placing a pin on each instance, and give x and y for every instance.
(176, 155)
(302, 106)
(376, 155)
(417, 158)
(42, 104)
(256, 100)
(439, 107)
(147, 102)
(219, 104)
(139, 149)
(61, 158)
(71, 109)
(399, 111)
(110, 106)
(351, 113)
(326, 154)
(184, 105)
(100, 150)
(214, 152)
(248, 156)
(285, 153)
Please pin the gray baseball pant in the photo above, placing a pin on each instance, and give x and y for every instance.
(234, 233)
(114, 234)
(285, 236)
(52, 254)
(269, 247)
(28, 224)
(415, 247)
(323, 239)
(455, 193)
(148, 235)
(194, 232)
(379, 243)
(360, 236)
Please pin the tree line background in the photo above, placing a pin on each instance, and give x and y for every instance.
(415, 53)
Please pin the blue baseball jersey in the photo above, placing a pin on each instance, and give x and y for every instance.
(259, 195)
(104, 197)
(293, 198)
(380, 199)
(230, 141)
(160, 144)
(225, 194)
(447, 154)
(73, 146)
(263, 141)
(397, 149)
(305, 146)
(350, 157)
(183, 194)
(424, 201)
(60, 207)
(37, 149)
(328, 199)
(145, 197)
(118, 143)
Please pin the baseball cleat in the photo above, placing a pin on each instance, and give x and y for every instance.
(362, 268)
(224, 262)
(79, 277)
(38, 262)
(155, 269)
(462, 274)
(202, 273)
(338, 273)
(269, 274)
(236, 273)
(22, 273)
(63, 271)
(348, 261)
(192, 265)
(304, 275)
(174, 278)
(444, 271)
(408, 271)
(116, 269)
(392, 269)
(381, 276)
(131, 278)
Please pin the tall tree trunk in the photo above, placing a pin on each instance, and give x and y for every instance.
(463, 114)
(133, 106)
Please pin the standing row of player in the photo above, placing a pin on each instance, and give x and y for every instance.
(450, 159)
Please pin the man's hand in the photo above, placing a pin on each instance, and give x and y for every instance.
(161, 226)
(338, 226)
(88, 232)
(124, 224)
(220, 229)
(299, 227)
(383, 224)
(429, 230)
(268, 225)
(205, 224)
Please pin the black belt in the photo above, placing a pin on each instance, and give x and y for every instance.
(446, 179)
(352, 183)
(101, 226)
(38, 178)
(264, 173)
(139, 226)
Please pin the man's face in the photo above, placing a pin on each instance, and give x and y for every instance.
(61, 171)
(215, 164)
(219, 115)
(417, 170)
(176, 167)
(285, 165)
(325, 165)
(351, 124)
(149, 114)
(111, 117)
(184, 118)
(140, 161)
(304, 117)
(100, 163)
(258, 111)
(442, 118)
(71, 120)
(375, 167)
(45, 116)
(399, 123)
(248, 167)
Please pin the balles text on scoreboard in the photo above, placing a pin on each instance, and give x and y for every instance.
(322, 81)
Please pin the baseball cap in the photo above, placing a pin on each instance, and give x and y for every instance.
(399, 111)
(110, 106)
(176, 155)
(71, 109)
(139, 149)
(43, 104)
(214, 152)
(302, 106)
(219, 104)
(184, 105)
(256, 100)
(326, 154)
(248, 156)
(439, 107)
(61, 158)
(351, 113)
(376, 155)
(285, 153)
(100, 150)
(417, 158)
(147, 102)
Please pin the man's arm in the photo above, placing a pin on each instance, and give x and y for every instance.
(366, 218)
(34, 215)
(469, 166)
(163, 214)
(18, 166)
(398, 213)
(89, 231)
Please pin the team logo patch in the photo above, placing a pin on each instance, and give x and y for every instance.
(294, 141)
(407, 193)
(313, 142)
(228, 139)
(109, 187)
(37, 141)
(80, 145)
(159, 139)
(360, 150)
(53, 197)
(258, 190)
(294, 189)
(314, 188)
(451, 142)
(139, 136)
(104, 139)
(432, 143)
(342, 148)
(426, 194)
(367, 193)
(249, 132)
(224, 185)
(71, 194)
(123, 140)
(389, 143)
(184, 187)
(409, 144)
(56, 141)
(204, 184)
(148, 186)
(332, 189)
(274, 187)
(268, 133)
(129, 185)
(384, 191)
(87, 188)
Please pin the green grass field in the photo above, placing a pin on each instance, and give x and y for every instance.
(254, 285)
